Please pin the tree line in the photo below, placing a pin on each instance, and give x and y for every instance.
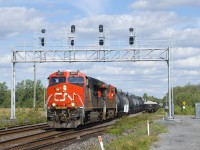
(24, 94)
(186, 95)
(190, 94)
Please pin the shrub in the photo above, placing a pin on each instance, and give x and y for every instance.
(189, 110)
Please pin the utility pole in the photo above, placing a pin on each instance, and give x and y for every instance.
(34, 93)
(44, 99)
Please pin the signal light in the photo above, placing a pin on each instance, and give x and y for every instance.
(73, 29)
(43, 30)
(100, 28)
(131, 40)
(42, 41)
(101, 42)
(72, 42)
(130, 29)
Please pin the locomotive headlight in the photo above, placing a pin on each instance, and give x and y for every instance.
(64, 87)
(53, 104)
(73, 104)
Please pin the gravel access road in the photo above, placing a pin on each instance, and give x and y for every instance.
(183, 134)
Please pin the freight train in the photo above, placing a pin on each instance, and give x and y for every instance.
(74, 99)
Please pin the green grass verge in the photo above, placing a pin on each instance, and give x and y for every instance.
(131, 133)
(23, 117)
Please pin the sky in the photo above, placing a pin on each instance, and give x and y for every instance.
(154, 20)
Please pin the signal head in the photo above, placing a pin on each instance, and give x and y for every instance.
(131, 40)
(42, 41)
(73, 29)
(101, 42)
(72, 42)
(100, 28)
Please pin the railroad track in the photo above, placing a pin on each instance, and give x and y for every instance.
(51, 138)
(23, 129)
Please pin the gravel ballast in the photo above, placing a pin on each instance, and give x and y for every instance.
(183, 134)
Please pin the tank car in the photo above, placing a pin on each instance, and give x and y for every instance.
(141, 104)
(123, 103)
(75, 99)
(133, 103)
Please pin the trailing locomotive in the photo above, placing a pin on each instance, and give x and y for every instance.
(75, 99)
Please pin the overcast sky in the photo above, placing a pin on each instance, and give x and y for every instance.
(155, 20)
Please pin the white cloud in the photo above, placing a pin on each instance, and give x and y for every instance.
(151, 25)
(190, 62)
(160, 4)
(118, 25)
(90, 8)
(189, 36)
(183, 37)
(185, 52)
(18, 20)
(142, 19)
(5, 61)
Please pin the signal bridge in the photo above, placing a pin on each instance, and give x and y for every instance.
(90, 55)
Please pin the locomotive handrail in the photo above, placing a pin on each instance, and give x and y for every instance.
(74, 94)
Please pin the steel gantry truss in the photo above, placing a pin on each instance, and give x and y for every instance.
(91, 54)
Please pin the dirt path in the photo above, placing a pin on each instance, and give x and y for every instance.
(183, 134)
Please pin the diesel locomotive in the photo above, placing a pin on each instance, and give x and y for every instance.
(75, 99)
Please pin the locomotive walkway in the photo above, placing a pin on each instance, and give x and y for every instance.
(183, 134)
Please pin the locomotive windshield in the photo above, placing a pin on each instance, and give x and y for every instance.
(56, 80)
(76, 80)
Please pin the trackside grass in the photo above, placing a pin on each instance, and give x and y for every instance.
(24, 116)
(131, 133)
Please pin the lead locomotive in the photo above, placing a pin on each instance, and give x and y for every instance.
(75, 99)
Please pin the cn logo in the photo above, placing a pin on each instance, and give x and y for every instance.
(56, 95)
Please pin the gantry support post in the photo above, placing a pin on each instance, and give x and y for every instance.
(12, 110)
(169, 86)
